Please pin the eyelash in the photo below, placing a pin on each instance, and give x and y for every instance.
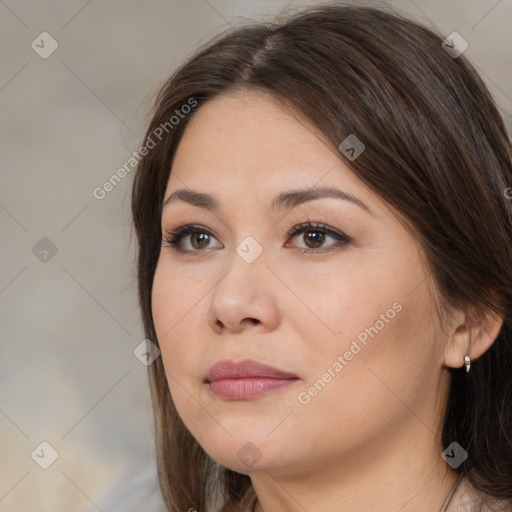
(173, 238)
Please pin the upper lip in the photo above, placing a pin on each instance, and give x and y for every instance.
(226, 369)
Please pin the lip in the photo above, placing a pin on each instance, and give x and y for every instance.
(246, 379)
(245, 369)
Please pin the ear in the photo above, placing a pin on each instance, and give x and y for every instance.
(471, 339)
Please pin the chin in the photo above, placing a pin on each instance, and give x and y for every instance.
(246, 454)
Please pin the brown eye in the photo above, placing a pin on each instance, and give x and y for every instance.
(315, 236)
(198, 239)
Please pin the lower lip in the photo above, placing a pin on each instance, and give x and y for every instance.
(245, 388)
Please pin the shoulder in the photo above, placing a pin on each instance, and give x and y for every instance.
(469, 499)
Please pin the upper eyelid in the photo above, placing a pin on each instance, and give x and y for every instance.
(295, 218)
(301, 226)
(310, 225)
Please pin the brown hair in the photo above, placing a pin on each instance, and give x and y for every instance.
(436, 151)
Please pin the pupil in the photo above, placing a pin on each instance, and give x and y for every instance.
(316, 238)
(199, 235)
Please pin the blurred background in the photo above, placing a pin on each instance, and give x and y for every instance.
(77, 80)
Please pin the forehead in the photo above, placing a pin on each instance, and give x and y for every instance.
(248, 142)
(245, 128)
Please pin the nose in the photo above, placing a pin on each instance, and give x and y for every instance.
(245, 297)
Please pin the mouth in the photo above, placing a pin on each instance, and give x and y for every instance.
(246, 379)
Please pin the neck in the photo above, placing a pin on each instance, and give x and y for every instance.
(402, 476)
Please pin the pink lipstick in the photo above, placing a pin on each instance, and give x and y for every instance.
(246, 379)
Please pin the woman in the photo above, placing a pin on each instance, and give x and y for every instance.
(325, 264)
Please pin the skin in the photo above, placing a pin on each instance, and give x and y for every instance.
(370, 439)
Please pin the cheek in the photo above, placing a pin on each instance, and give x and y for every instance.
(175, 305)
(175, 302)
(375, 314)
(355, 388)
(340, 305)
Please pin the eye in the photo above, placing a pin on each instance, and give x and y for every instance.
(314, 236)
(193, 238)
(197, 236)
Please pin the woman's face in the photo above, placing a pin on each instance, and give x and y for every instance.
(344, 308)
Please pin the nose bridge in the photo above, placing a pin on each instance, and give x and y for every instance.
(246, 270)
(243, 291)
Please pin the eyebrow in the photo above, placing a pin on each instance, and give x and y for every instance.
(284, 201)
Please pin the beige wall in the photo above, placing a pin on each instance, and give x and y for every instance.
(68, 321)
